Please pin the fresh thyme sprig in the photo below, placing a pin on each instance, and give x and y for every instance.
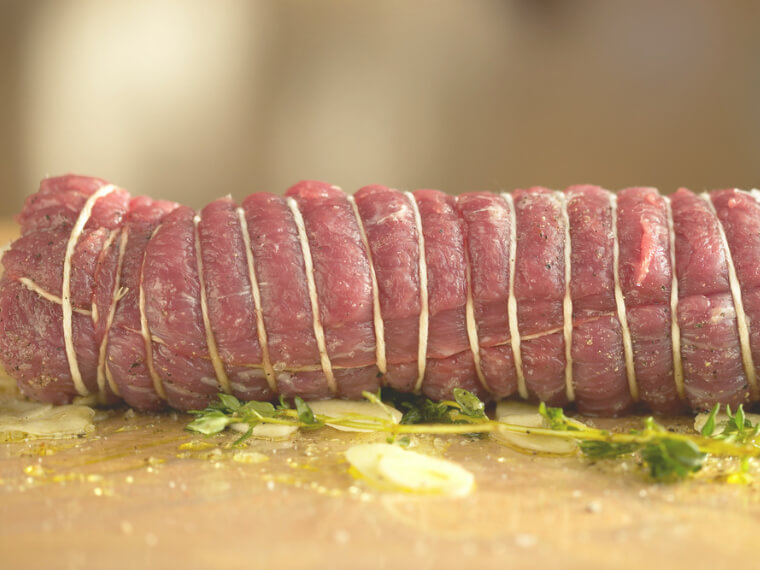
(668, 456)
(737, 428)
(466, 408)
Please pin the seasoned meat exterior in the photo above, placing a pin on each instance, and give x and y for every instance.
(611, 302)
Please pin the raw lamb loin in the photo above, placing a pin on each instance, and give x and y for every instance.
(611, 302)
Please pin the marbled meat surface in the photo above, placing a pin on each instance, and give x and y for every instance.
(612, 302)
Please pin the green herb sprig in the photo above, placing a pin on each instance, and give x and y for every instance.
(668, 456)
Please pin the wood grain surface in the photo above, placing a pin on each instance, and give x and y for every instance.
(141, 492)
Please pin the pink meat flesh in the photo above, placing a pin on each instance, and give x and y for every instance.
(288, 318)
(599, 373)
(540, 290)
(173, 309)
(343, 285)
(127, 362)
(709, 340)
(487, 222)
(229, 294)
(739, 213)
(288, 294)
(449, 359)
(646, 279)
(392, 234)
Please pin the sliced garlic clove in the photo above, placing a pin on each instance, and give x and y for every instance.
(44, 420)
(359, 412)
(389, 467)
(249, 457)
(365, 459)
(21, 409)
(240, 427)
(273, 431)
(526, 420)
(514, 408)
(419, 473)
(536, 443)
(526, 415)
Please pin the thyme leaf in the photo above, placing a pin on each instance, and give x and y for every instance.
(228, 402)
(606, 449)
(709, 428)
(305, 414)
(672, 459)
(420, 410)
(557, 419)
(210, 422)
(469, 404)
(256, 409)
(243, 437)
(669, 457)
(739, 428)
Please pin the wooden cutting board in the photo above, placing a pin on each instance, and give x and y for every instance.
(142, 492)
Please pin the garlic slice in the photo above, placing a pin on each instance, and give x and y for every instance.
(424, 474)
(274, 431)
(526, 415)
(18, 417)
(506, 408)
(389, 467)
(359, 412)
(365, 459)
(266, 431)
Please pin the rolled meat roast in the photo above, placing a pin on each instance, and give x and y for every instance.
(615, 302)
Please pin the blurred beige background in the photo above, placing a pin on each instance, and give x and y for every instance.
(195, 99)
